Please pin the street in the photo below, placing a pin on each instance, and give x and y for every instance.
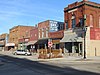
(10, 65)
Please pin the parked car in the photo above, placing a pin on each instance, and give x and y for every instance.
(21, 52)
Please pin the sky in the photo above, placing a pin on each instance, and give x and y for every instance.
(31, 12)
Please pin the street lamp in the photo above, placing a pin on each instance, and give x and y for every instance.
(84, 29)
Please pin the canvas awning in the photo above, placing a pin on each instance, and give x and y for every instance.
(10, 44)
(71, 38)
(31, 42)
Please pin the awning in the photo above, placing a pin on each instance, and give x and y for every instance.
(10, 44)
(31, 42)
(42, 41)
(71, 38)
(1, 45)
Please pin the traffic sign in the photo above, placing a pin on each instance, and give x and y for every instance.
(50, 44)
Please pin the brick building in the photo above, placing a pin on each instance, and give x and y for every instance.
(81, 19)
(19, 32)
(3, 40)
(47, 28)
(33, 39)
(74, 13)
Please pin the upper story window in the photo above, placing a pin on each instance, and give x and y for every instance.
(60, 26)
(47, 32)
(81, 22)
(42, 32)
(73, 22)
(91, 20)
(66, 25)
(39, 32)
(99, 21)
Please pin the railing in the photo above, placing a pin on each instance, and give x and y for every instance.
(47, 54)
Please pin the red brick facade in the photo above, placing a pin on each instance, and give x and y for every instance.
(34, 34)
(58, 34)
(43, 28)
(77, 10)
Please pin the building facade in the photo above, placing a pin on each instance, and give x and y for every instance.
(3, 41)
(80, 20)
(19, 32)
(47, 28)
(32, 44)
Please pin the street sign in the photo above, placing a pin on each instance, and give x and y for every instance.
(50, 44)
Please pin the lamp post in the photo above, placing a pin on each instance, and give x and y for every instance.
(84, 29)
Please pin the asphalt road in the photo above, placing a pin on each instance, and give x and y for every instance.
(18, 66)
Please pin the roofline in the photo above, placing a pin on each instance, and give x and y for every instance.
(20, 26)
(88, 3)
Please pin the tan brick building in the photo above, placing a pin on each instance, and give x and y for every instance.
(3, 40)
(19, 32)
(79, 17)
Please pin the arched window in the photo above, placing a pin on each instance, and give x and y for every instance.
(91, 20)
(99, 21)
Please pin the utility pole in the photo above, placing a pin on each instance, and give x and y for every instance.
(84, 29)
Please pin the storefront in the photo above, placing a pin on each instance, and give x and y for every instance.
(10, 46)
(72, 44)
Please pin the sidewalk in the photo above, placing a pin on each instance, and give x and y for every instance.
(65, 58)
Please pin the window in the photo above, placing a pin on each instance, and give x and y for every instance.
(39, 32)
(81, 22)
(60, 26)
(66, 25)
(99, 21)
(46, 32)
(42, 32)
(91, 20)
(73, 23)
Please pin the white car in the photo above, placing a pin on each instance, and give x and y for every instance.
(21, 52)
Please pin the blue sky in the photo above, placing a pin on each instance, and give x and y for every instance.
(31, 12)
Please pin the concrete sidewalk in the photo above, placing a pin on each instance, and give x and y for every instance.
(65, 58)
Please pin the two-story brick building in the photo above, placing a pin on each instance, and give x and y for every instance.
(46, 30)
(82, 25)
(32, 44)
(18, 32)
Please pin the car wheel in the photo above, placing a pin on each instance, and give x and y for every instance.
(15, 53)
(26, 54)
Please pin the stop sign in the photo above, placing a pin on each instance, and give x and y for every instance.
(50, 44)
